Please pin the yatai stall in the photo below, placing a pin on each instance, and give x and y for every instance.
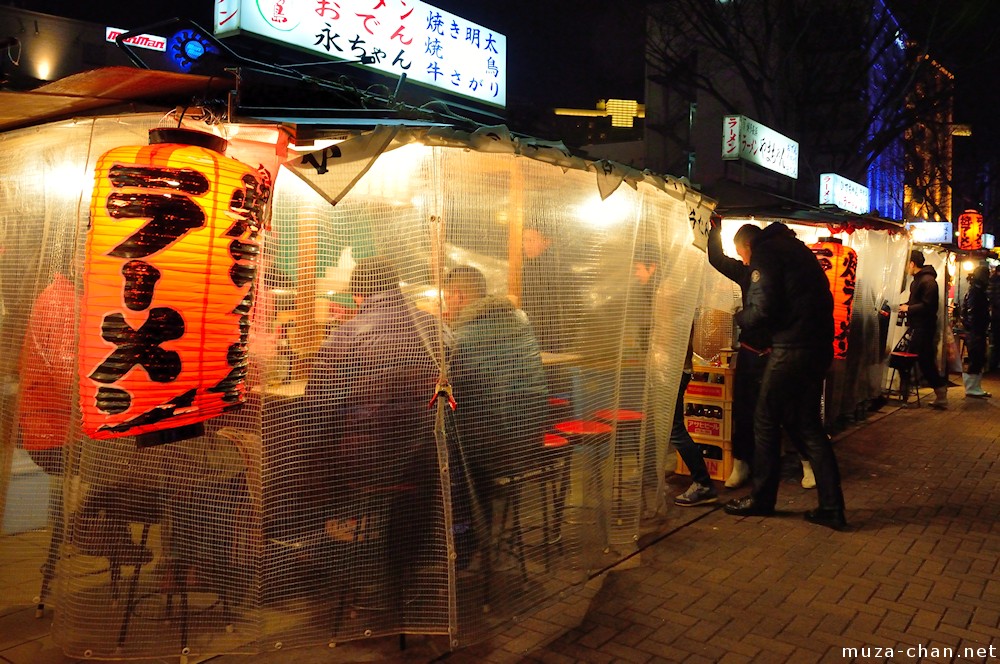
(168, 281)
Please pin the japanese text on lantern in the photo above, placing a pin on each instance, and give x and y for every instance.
(970, 230)
(170, 263)
(840, 264)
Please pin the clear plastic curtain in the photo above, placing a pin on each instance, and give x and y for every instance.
(340, 503)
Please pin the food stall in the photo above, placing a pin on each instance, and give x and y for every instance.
(169, 533)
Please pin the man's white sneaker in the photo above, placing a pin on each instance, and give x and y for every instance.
(808, 479)
(740, 474)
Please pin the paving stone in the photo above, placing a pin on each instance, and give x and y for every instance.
(920, 566)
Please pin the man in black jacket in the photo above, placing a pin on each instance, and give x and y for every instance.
(922, 318)
(754, 348)
(790, 295)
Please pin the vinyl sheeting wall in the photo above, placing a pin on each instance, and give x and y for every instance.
(338, 503)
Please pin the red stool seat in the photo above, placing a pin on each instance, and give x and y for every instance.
(560, 409)
(554, 441)
(619, 415)
(583, 428)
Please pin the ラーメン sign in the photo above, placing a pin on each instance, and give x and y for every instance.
(845, 194)
(396, 37)
(742, 138)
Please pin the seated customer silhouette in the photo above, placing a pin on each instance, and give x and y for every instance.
(366, 402)
(498, 380)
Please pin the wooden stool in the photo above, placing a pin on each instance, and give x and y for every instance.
(552, 476)
(368, 541)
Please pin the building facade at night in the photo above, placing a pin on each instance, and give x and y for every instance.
(841, 79)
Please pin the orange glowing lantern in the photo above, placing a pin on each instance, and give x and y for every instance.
(171, 258)
(970, 230)
(840, 264)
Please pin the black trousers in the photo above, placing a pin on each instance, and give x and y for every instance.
(975, 346)
(994, 339)
(682, 440)
(922, 343)
(790, 396)
(746, 386)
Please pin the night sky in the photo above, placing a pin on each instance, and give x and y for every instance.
(575, 52)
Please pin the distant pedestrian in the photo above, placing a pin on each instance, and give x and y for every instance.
(790, 295)
(976, 321)
(993, 293)
(921, 311)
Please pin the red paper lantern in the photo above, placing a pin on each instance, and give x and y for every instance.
(171, 258)
(840, 264)
(970, 230)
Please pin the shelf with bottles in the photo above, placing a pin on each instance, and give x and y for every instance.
(711, 382)
(708, 418)
(718, 455)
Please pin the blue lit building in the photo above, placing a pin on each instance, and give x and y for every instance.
(841, 78)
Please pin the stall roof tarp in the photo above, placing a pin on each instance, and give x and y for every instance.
(342, 122)
(738, 200)
(97, 89)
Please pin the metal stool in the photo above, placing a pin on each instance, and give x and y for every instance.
(560, 409)
(555, 487)
(906, 365)
(628, 427)
(552, 478)
(589, 439)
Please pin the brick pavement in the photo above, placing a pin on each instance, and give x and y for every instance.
(917, 569)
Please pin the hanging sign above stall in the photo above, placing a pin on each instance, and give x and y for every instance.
(970, 230)
(845, 194)
(930, 232)
(988, 241)
(428, 45)
(742, 138)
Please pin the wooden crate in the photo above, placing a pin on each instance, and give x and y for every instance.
(708, 382)
(708, 419)
(718, 455)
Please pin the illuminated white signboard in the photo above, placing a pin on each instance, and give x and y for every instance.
(742, 138)
(395, 37)
(845, 194)
(152, 42)
(931, 232)
(988, 241)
